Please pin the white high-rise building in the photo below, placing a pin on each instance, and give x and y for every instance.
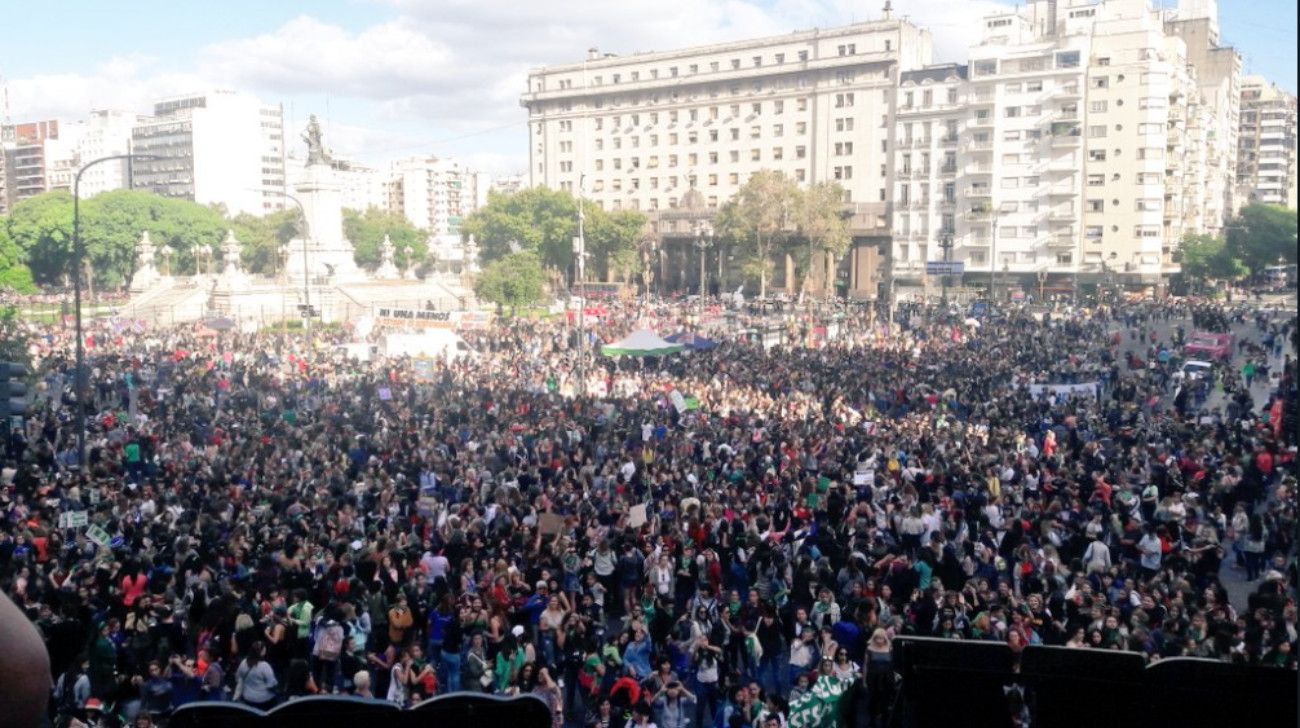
(1215, 73)
(1088, 147)
(107, 133)
(219, 147)
(436, 194)
(1266, 162)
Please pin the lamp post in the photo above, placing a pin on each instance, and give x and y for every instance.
(945, 244)
(580, 253)
(703, 238)
(306, 275)
(78, 255)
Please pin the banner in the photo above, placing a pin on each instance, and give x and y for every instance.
(820, 706)
(1092, 389)
(73, 519)
(415, 318)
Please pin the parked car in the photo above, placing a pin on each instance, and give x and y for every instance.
(1193, 369)
(1208, 345)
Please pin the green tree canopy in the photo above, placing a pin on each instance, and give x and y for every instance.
(758, 219)
(264, 236)
(514, 280)
(14, 274)
(367, 229)
(536, 219)
(1261, 234)
(111, 225)
(545, 221)
(1206, 257)
(819, 216)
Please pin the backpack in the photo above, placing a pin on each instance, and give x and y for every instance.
(66, 702)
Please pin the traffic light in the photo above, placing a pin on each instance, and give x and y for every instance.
(14, 396)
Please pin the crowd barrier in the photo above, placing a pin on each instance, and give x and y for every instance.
(467, 710)
(951, 682)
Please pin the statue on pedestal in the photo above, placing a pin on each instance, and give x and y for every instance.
(316, 153)
(146, 275)
(387, 268)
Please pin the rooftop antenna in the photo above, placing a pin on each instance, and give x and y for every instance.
(889, 10)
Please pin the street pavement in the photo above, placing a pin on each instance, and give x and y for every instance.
(1233, 579)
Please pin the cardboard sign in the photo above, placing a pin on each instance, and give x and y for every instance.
(385, 393)
(73, 519)
(636, 516)
(98, 536)
(550, 523)
(679, 401)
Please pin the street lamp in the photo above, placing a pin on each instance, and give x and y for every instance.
(306, 275)
(945, 244)
(703, 238)
(78, 255)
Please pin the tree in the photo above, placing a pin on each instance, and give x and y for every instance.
(819, 216)
(263, 237)
(367, 229)
(514, 280)
(41, 228)
(757, 218)
(1261, 234)
(14, 274)
(1206, 257)
(537, 219)
(612, 241)
(111, 225)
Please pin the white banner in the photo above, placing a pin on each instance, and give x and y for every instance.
(1091, 389)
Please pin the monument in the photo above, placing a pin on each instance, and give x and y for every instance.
(387, 268)
(329, 255)
(146, 276)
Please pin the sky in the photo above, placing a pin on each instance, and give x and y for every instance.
(395, 78)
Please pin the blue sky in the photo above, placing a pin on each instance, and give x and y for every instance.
(402, 77)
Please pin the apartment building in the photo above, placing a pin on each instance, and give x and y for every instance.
(31, 149)
(436, 194)
(1086, 147)
(1266, 161)
(1215, 72)
(640, 132)
(926, 168)
(219, 147)
(107, 132)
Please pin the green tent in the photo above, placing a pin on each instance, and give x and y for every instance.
(641, 343)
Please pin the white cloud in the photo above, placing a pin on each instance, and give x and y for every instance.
(448, 73)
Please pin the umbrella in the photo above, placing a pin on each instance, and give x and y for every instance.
(692, 340)
(641, 343)
(972, 321)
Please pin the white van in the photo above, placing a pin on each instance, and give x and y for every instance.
(433, 343)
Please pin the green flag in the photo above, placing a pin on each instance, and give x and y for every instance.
(820, 706)
(692, 403)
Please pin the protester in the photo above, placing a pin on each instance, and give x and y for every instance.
(284, 522)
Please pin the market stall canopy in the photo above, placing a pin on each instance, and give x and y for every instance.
(641, 343)
(693, 340)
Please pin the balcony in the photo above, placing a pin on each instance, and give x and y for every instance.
(984, 146)
(1062, 215)
(1061, 191)
(979, 100)
(1066, 92)
(979, 212)
(947, 205)
(979, 192)
(948, 141)
(948, 169)
(981, 122)
(919, 143)
(919, 205)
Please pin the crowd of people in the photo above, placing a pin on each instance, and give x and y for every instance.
(260, 519)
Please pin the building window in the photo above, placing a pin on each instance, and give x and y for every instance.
(800, 152)
(984, 68)
(1067, 59)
